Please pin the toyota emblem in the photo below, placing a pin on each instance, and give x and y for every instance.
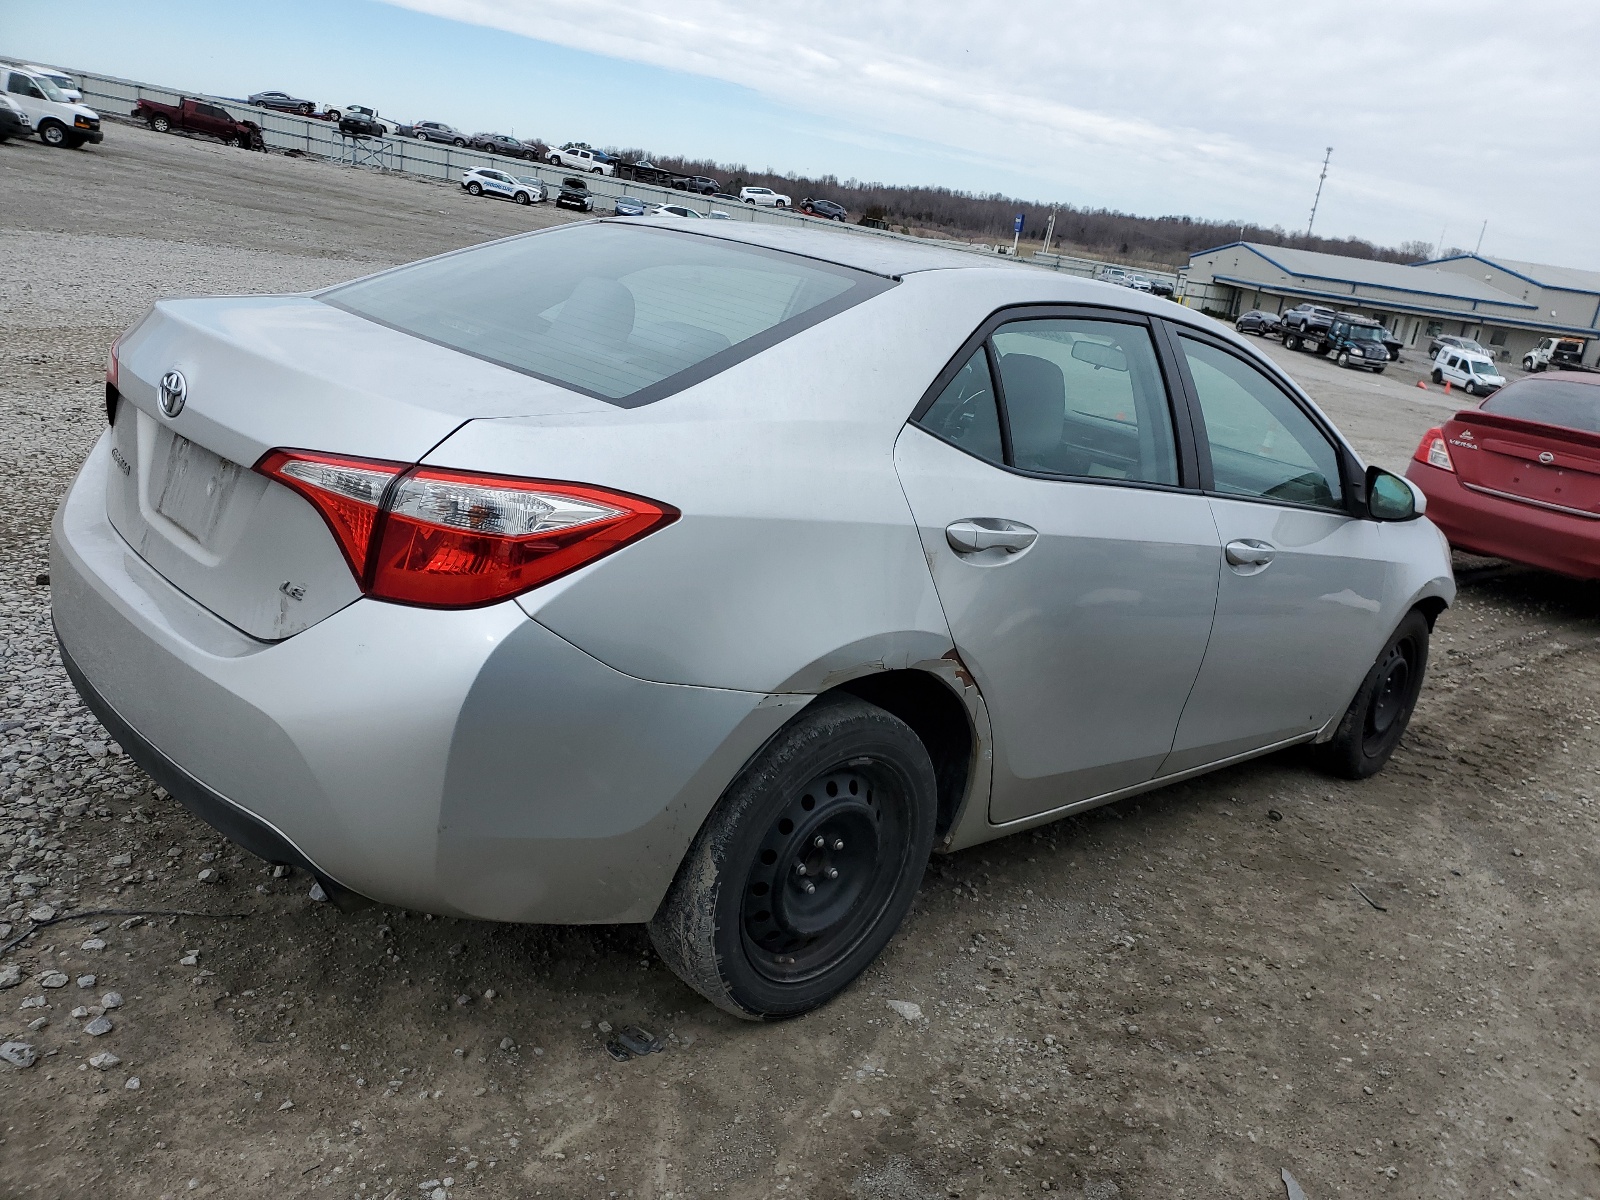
(174, 391)
(1546, 457)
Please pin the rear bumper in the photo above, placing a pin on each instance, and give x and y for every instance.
(1499, 528)
(471, 763)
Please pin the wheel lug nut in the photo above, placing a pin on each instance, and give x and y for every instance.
(810, 887)
(833, 872)
(818, 841)
(799, 868)
(838, 843)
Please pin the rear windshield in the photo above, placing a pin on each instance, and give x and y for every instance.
(625, 313)
(1549, 402)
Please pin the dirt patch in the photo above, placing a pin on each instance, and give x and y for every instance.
(1175, 996)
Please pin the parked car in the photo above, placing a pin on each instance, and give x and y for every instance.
(1518, 477)
(673, 210)
(630, 206)
(1256, 321)
(1554, 354)
(645, 171)
(498, 686)
(1475, 373)
(198, 116)
(66, 83)
(486, 181)
(580, 158)
(283, 102)
(359, 121)
(58, 121)
(1138, 282)
(432, 131)
(1358, 342)
(13, 121)
(1460, 343)
(763, 197)
(703, 185)
(498, 143)
(830, 209)
(575, 193)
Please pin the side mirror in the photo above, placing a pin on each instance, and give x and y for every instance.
(1393, 498)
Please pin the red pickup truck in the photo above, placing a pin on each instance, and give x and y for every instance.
(196, 116)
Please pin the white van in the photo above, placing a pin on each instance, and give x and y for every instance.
(67, 84)
(57, 120)
(1475, 374)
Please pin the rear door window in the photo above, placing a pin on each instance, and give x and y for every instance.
(1085, 399)
(965, 414)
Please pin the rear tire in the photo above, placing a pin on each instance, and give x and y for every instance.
(846, 791)
(334, 114)
(1291, 341)
(305, 110)
(1377, 718)
(160, 124)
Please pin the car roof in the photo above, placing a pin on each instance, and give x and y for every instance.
(886, 256)
(1567, 377)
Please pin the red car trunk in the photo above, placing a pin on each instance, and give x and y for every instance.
(1543, 465)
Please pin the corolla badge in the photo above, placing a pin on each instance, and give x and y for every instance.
(174, 392)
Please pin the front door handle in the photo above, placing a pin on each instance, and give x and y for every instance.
(977, 534)
(1247, 552)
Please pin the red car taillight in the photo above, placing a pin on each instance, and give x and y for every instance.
(457, 539)
(1433, 451)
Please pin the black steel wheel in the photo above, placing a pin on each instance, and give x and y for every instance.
(1291, 342)
(1372, 726)
(806, 867)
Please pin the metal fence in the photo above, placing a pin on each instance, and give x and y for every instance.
(113, 96)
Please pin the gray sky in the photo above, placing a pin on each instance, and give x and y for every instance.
(1440, 114)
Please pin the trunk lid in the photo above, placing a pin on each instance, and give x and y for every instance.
(263, 373)
(1543, 465)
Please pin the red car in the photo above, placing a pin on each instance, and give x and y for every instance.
(1518, 477)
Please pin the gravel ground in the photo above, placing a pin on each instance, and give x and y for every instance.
(1180, 995)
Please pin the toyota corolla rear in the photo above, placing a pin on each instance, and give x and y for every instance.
(282, 585)
(1519, 477)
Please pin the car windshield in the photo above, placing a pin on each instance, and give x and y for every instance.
(50, 90)
(1481, 368)
(1549, 402)
(619, 312)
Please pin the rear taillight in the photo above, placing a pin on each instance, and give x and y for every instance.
(113, 367)
(456, 539)
(1433, 451)
(346, 491)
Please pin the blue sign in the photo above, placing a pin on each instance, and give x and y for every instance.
(1018, 227)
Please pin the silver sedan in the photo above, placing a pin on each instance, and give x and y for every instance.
(712, 576)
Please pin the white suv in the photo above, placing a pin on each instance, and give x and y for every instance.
(581, 158)
(763, 197)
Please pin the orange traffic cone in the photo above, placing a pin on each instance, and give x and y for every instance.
(1447, 387)
(1422, 384)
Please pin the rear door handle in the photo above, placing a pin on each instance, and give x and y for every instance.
(1247, 552)
(977, 534)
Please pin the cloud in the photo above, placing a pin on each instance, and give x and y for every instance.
(1438, 114)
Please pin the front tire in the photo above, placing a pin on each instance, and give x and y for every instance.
(475, 188)
(806, 867)
(1343, 360)
(305, 110)
(1471, 388)
(334, 114)
(53, 133)
(523, 198)
(1377, 718)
